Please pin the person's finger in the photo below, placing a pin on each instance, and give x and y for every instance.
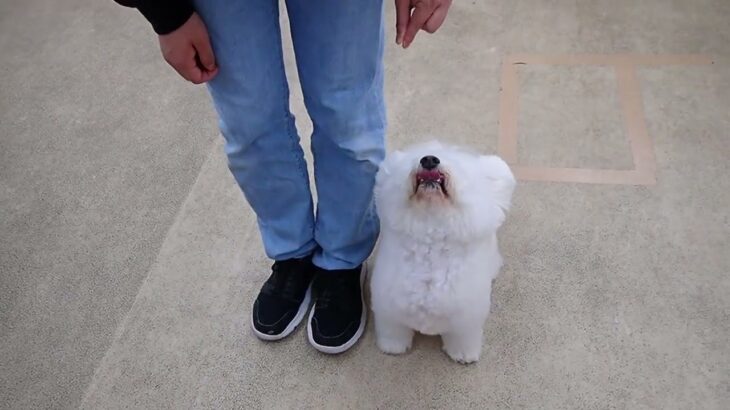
(436, 20)
(192, 74)
(209, 75)
(402, 15)
(187, 67)
(421, 13)
(205, 52)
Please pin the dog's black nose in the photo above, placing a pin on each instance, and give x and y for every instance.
(429, 162)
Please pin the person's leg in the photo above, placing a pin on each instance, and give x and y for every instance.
(251, 97)
(339, 50)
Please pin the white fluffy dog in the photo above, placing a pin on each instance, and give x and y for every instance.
(440, 208)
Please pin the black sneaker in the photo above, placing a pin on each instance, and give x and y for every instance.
(283, 300)
(338, 317)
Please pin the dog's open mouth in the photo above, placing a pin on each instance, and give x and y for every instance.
(430, 180)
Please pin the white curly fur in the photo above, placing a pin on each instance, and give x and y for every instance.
(438, 254)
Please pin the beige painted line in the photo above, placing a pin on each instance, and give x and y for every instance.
(642, 147)
(669, 59)
(508, 111)
(630, 99)
(581, 175)
(610, 59)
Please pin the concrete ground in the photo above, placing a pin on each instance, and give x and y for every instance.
(129, 260)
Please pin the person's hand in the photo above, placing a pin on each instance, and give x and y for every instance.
(188, 51)
(428, 15)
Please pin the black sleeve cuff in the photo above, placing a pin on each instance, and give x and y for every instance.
(166, 16)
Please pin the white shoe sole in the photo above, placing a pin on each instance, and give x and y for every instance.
(292, 326)
(360, 330)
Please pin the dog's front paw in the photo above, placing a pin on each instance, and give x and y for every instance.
(393, 346)
(392, 337)
(463, 356)
(464, 348)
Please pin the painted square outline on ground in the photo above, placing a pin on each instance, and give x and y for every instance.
(631, 105)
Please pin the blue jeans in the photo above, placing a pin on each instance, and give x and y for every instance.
(339, 48)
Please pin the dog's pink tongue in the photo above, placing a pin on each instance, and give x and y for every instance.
(429, 175)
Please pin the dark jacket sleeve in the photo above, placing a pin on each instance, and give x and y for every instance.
(164, 15)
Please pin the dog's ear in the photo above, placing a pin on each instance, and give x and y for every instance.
(502, 181)
(397, 155)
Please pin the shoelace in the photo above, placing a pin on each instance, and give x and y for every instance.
(284, 282)
(333, 291)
